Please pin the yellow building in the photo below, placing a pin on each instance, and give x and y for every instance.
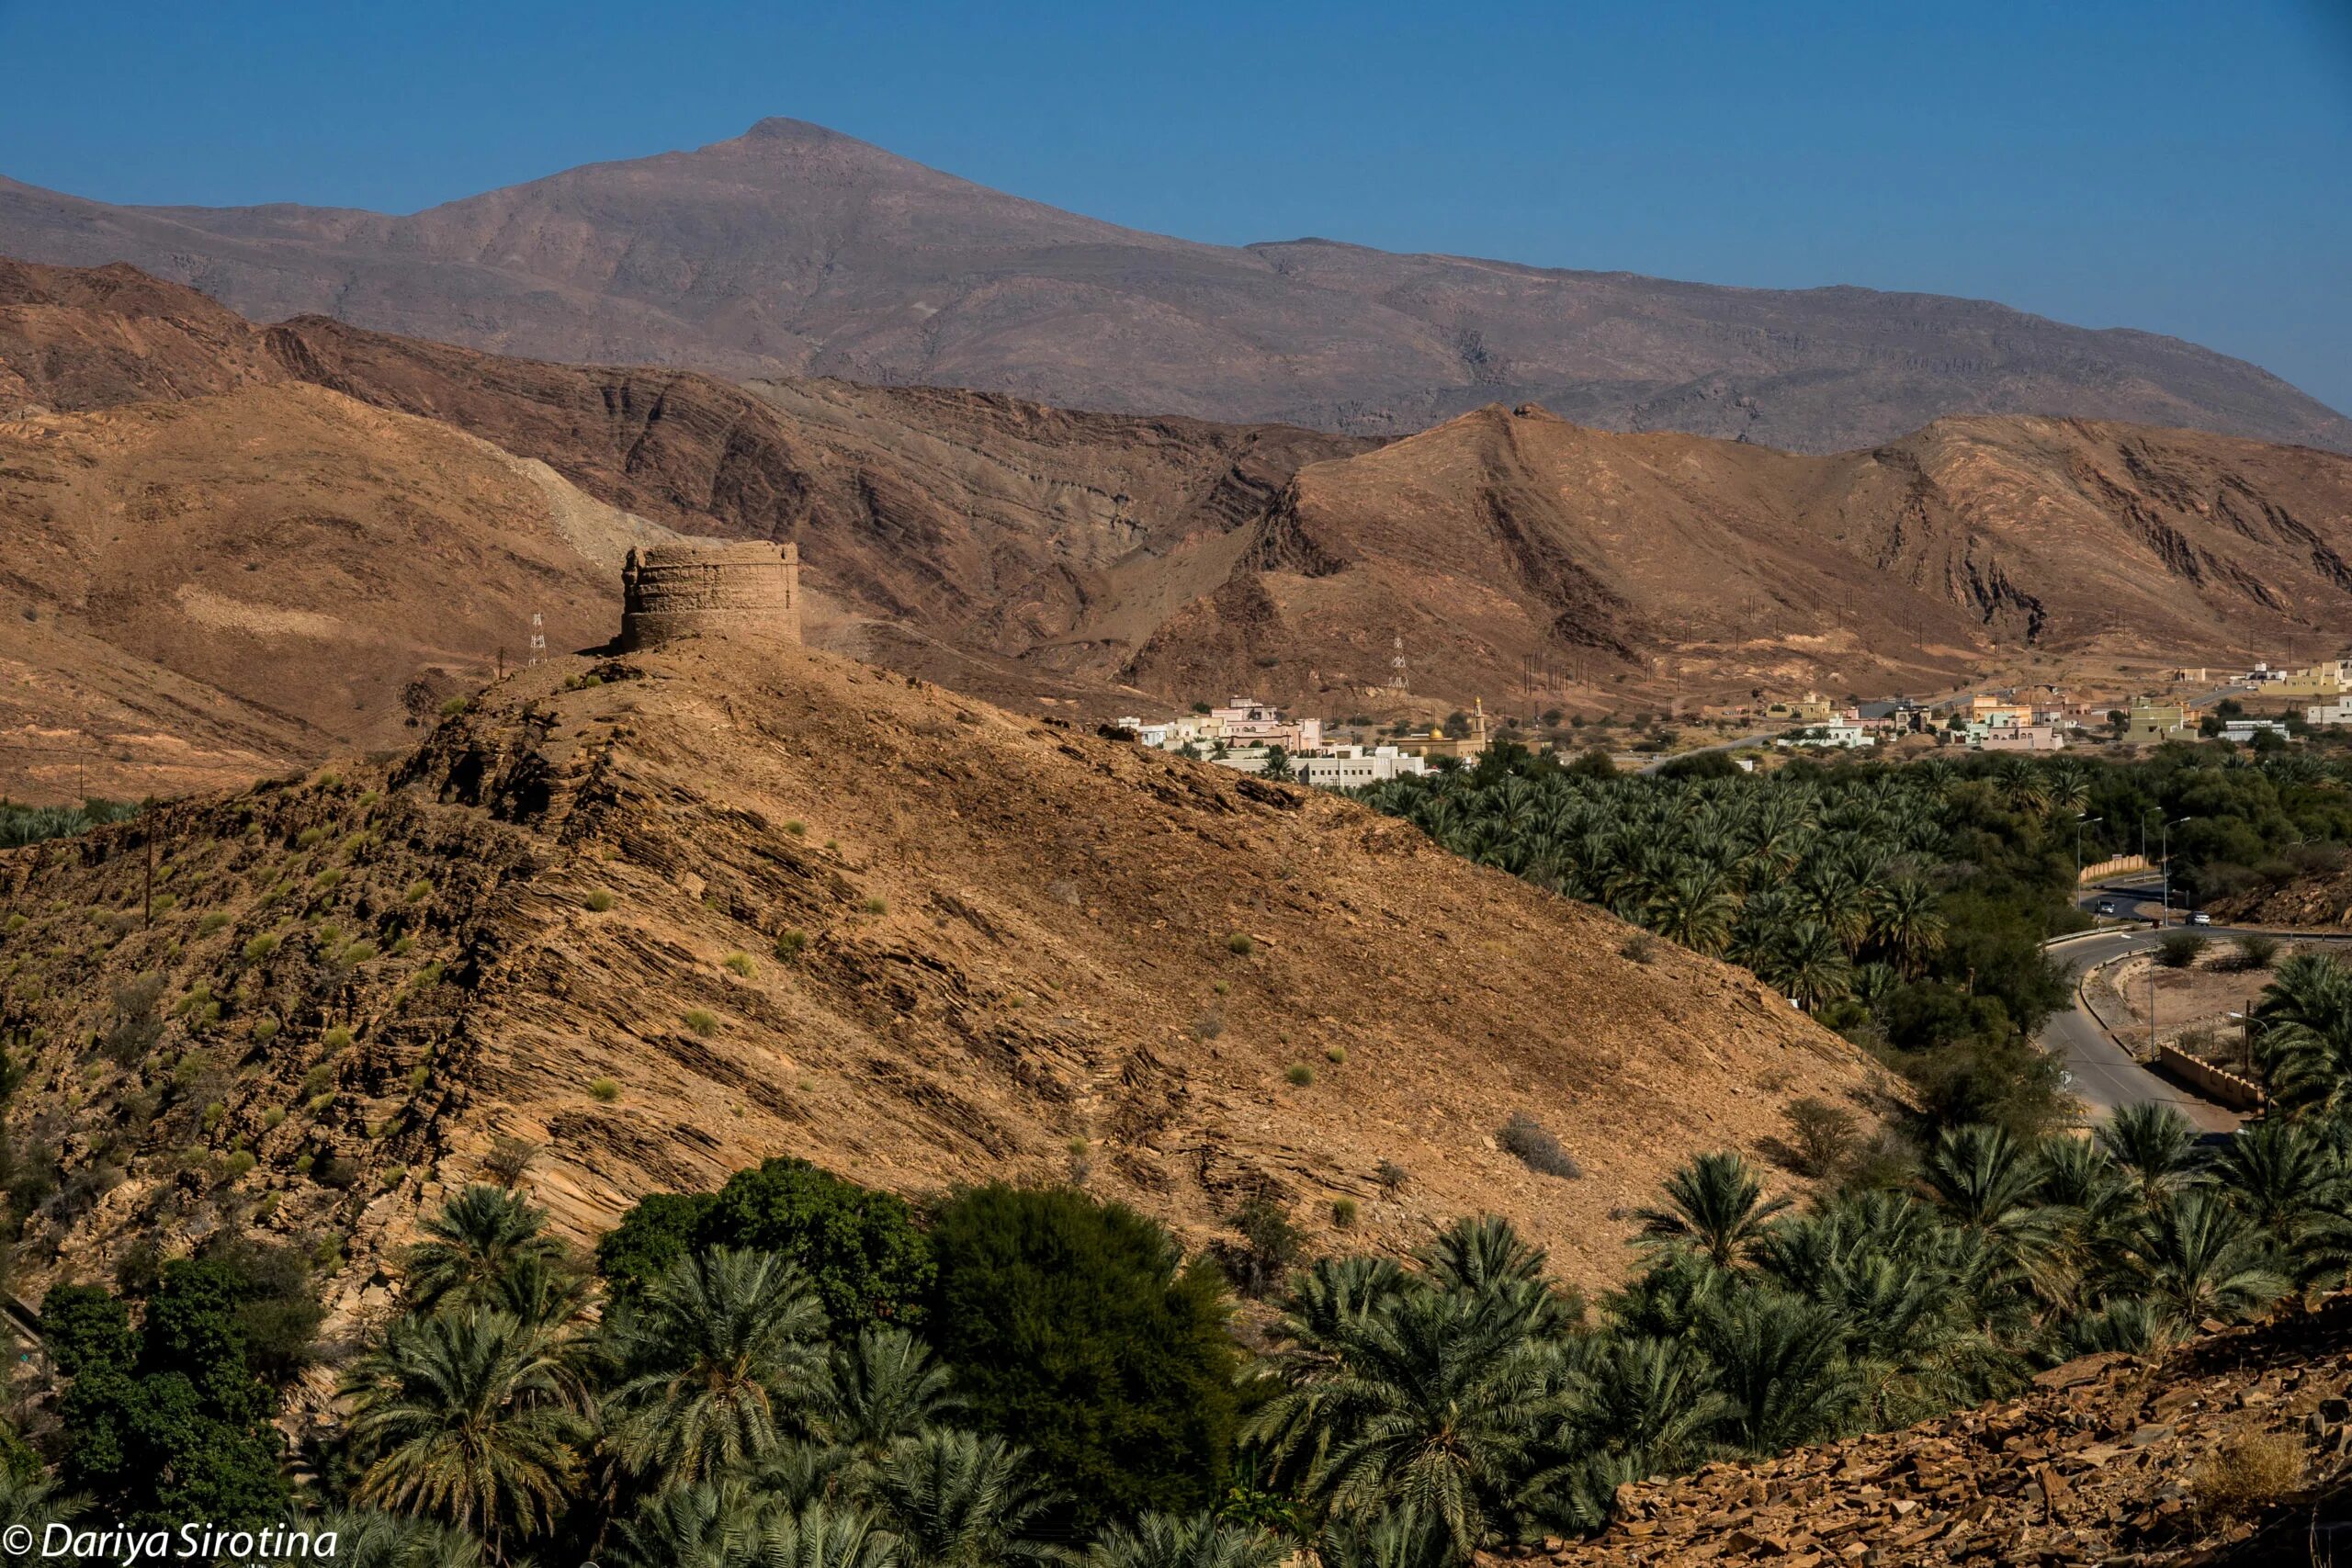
(2326, 680)
(1811, 708)
(1998, 713)
(2149, 722)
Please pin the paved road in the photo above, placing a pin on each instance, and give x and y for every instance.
(2105, 1078)
(2105, 1075)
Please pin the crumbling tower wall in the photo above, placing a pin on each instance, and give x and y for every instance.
(673, 591)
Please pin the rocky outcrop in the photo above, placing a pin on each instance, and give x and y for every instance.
(2236, 1450)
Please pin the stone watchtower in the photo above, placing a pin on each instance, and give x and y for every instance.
(673, 591)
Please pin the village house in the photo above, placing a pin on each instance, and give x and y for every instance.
(2149, 721)
(1353, 767)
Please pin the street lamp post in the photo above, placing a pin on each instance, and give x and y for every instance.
(2164, 841)
(2081, 822)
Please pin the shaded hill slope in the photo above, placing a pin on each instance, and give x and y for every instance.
(794, 251)
(968, 941)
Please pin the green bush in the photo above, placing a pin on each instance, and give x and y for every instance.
(1343, 1213)
(1240, 944)
(739, 963)
(701, 1020)
(860, 1249)
(260, 947)
(1300, 1074)
(600, 900)
(606, 1089)
(2179, 950)
(790, 944)
(1078, 1328)
(419, 890)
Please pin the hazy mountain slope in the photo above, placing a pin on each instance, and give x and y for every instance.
(1016, 936)
(794, 250)
(1509, 533)
(261, 575)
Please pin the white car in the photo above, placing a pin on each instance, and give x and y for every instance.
(2199, 917)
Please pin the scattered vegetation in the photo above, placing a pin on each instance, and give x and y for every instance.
(702, 1021)
(1526, 1139)
(1241, 944)
(599, 900)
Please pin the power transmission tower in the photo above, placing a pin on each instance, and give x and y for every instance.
(1396, 667)
(539, 637)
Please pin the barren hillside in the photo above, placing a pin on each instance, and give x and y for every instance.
(669, 916)
(201, 592)
(1720, 565)
(794, 251)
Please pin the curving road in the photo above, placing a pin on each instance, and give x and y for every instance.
(2105, 1077)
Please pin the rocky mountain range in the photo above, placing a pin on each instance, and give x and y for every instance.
(792, 251)
(241, 546)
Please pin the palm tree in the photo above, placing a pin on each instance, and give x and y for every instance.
(959, 1500)
(1394, 1537)
(1781, 1368)
(1177, 1540)
(1811, 965)
(1986, 1182)
(822, 1535)
(1440, 1398)
(365, 1538)
(1907, 920)
(473, 1243)
(883, 1392)
(2284, 1178)
(1652, 1401)
(2201, 1259)
(1695, 910)
(714, 1524)
(721, 1358)
(1716, 1208)
(33, 1502)
(473, 1418)
(2154, 1144)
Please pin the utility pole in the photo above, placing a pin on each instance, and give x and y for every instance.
(2081, 822)
(2163, 838)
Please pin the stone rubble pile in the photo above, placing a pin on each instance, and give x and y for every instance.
(2108, 1460)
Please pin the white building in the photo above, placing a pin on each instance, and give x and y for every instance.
(2245, 729)
(1353, 767)
(1846, 733)
(2325, 714)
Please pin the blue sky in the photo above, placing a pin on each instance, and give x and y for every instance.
(2182, 167)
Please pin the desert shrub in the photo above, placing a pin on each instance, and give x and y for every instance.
(211, 922)
(796, 828)
(2178, 950)
(335, 1171)
(308, 837)
(1300, 1074)
(2254, 951)
(419, 890)
(791, 943)
(1079, 1328)
(355, 954)
(1271, 1246)
(876, 906)
(1343, 1213)
(1391, 1175)
(1822, 1136)
(606, 1089)
(1336, 1054)
(1535, 1148)
(1241, 944)
(1209, 1025)
(701, 1020)
(337, 1038)
(600, 900)
(135, 1022)
(2247, 1472)
(453, 707)
(508, 1158)
(1640, 947)
(739, 963)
